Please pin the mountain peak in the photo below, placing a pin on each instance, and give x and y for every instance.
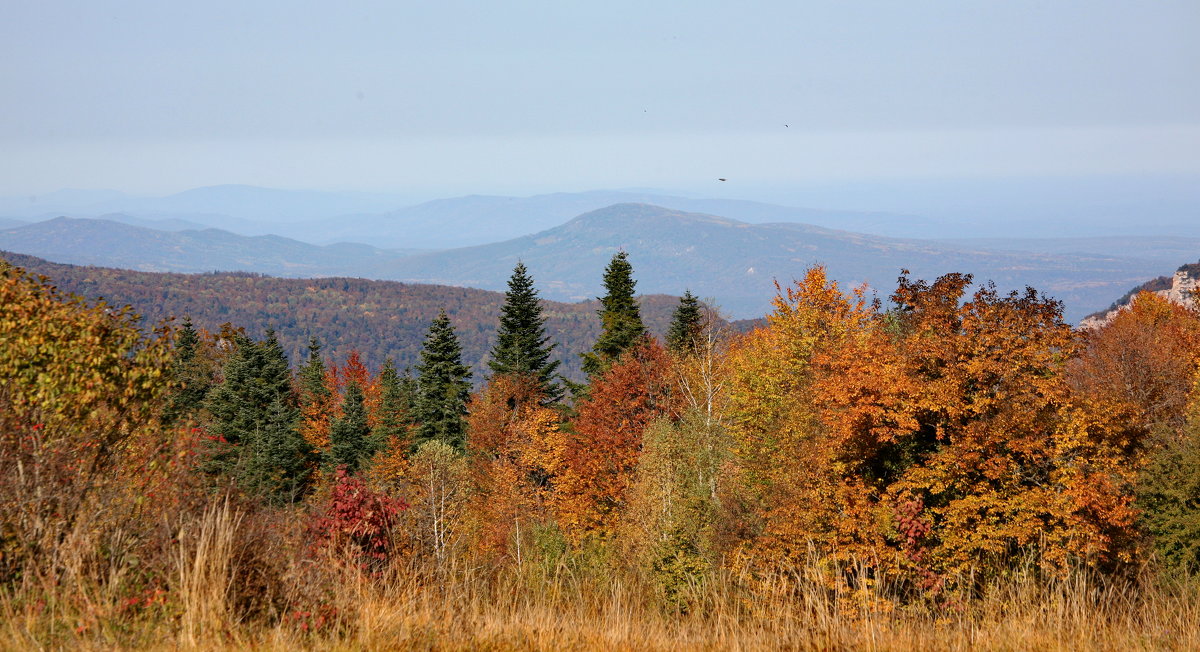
(638, 213)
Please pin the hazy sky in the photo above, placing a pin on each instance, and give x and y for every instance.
(519, 97)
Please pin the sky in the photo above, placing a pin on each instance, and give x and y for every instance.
(522, 97)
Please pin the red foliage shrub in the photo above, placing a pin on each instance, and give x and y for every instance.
(358, 521)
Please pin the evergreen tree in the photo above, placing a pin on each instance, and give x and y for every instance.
(255, 415)
(312, 376)
(350, 438)
(1168, 495)
(277, 467)
(397, 399)
(522, 346)
(443, 386)
(191, 374)
(686, 324)
(620, 318)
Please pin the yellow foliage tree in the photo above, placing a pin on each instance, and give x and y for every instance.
(79, 385)
(787, 468)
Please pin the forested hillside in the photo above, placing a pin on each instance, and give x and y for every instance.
(380, 319)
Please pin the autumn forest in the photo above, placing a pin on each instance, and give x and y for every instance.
(937, 465)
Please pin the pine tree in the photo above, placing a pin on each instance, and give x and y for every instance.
(255, 417)
(620, 318)
(397, 400)
(443, 386)
(686, 324)
(350, 437)
(522, 346)
(193, 377)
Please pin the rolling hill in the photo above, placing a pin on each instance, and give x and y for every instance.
(379, 318)
(736, 264)
(324, 217)
(482, 219)
(731, 262)
(116, 244)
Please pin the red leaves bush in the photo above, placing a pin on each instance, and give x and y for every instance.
(358, 521)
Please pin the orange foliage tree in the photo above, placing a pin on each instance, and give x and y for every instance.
(794, 481)
(601, 454)
(940, 435)
(1137, 369)
(515, 446)
(1000, 465)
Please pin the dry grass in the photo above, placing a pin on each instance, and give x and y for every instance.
(567, 609)
(576, 606)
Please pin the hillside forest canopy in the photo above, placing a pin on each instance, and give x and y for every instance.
(930, 467)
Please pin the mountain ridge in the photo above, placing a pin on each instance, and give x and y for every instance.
(730, 262)
(736, 263)
(378, 318)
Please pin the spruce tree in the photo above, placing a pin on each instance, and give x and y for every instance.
(277, 467)
(312, 375)
(620, 318)
(190, 373)
(350, 437)
(522, 346)
(255, 415)
(397, 399)
(443, 386)
(686, 324)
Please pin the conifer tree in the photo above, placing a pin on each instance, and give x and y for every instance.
(312, 375)
(686, 324)
(318, 405)
(350, 437)
(443, 386)
(620, 318)
(397, 399)
(193, 377)
(277, 467)
(255, 417)
(522, 346)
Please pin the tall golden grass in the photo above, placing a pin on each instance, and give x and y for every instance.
(559, 604)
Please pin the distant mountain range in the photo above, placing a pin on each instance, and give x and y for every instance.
(115, 244)
(729, 261)
(236, 201)
(325, 217)
(736, 264)
(483, 219)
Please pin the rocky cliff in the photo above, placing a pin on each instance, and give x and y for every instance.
(1182, 288)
